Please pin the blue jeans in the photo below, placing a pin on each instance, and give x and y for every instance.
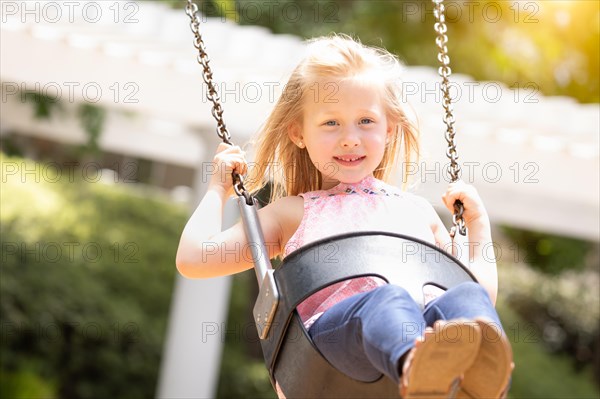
(367, 334)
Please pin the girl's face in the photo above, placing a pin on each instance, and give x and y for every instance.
(344, 129)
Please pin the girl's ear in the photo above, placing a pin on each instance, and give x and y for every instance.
(295, 132)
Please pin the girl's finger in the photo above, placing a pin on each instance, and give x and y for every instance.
(223, 147)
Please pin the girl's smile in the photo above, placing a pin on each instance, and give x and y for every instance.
(349, 160)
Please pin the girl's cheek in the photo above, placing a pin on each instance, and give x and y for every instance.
(330, 169)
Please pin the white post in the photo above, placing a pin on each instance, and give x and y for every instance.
(192, 351)
(196, 330)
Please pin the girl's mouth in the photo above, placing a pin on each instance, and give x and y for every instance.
(349, 160)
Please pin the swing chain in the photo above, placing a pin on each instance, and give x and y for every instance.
(191, 10)
(444, 71)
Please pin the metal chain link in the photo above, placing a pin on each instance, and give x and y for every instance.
(191, 10)
(444, 71)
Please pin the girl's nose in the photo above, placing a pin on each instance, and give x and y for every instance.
(350, 139)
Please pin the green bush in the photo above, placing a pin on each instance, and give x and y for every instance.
(565, 308)
(87, 276)
(549, 253)
(540, 374)
(25, 385)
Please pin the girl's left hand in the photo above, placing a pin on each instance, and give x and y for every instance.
(474, 211)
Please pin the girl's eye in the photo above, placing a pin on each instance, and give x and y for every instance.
(330, 123)
(366, 121)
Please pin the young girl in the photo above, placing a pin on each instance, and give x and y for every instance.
(328, 148)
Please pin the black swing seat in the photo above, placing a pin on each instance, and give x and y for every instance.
(290, 355)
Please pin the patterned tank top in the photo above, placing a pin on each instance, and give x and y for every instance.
(369, 205)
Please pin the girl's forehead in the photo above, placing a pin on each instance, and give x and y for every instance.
(333, 91)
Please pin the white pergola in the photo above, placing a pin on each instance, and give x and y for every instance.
(534, 159)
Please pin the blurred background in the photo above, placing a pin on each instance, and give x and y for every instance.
(106, 139)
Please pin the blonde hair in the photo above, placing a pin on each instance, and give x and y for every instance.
(288, 167)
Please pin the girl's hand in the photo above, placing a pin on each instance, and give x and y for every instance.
(227, 159)
(474, 211)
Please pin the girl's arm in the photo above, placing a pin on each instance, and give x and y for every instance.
(482, 262)
(204, 251)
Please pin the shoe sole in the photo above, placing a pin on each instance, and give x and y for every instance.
(488, 376)
(443, 356)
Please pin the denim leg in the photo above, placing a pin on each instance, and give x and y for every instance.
(467, 300)
(366, 335)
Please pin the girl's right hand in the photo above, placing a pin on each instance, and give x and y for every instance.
(227, 159)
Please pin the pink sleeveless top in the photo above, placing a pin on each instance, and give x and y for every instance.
(369, 205)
